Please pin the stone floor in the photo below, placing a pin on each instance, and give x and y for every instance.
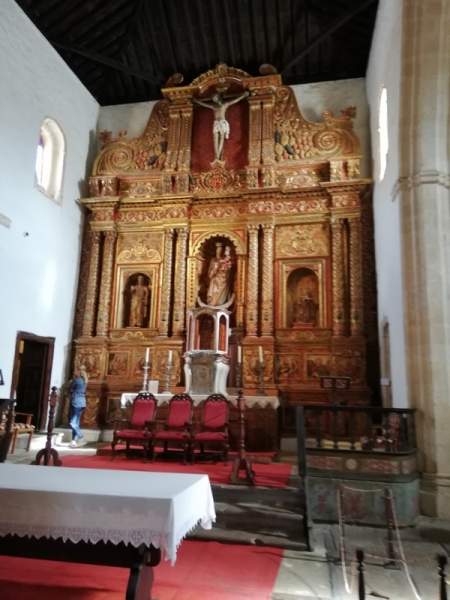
(319, 574)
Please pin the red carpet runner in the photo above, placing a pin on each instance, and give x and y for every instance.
(203, 571)
(270, 475)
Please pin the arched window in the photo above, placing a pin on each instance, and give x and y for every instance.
(383, 139)
(50, 159)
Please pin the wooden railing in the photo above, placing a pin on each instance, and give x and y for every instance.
(359, 428)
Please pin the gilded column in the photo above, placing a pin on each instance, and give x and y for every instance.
(252, 282)
(104, 304)
(166, 287)
(356, 302)
(254, 141)
(91, 294)
(338, 278)
(173, 137)
(267, 281)
(179, 304)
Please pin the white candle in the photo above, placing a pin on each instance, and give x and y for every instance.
(169, 360)
(260, 354)
(239, 354)
(147, 355)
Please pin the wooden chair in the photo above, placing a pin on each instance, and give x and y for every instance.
(213, 426)
(13, 424)
(177, 427)
(136, 430)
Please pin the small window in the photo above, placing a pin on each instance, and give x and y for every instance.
(50, 159)
(383, 139)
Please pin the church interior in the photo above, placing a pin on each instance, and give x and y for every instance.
(224, 229)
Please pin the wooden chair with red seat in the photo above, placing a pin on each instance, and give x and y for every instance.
(177, 427)
(137, 430)
(213, 426)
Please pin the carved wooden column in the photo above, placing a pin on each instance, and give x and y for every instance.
(166, 287)
(104, 304)
(240, 290)
(267, 281)
(252, 282)
(267, 145)
(254, 140)
(172, 137)
(338, 277)
(356, 293)
(91, 293)
(179, 304)
(184, 148)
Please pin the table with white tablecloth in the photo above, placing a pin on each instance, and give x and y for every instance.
(122, 509)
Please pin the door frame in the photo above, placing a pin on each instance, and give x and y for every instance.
(23, 336)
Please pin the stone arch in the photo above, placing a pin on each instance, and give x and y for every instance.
(238, 243)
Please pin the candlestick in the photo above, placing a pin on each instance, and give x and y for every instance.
(239, 354)
(260, 354)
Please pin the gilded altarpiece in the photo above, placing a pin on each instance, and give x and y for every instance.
(284, 195)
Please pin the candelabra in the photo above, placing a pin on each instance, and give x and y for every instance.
(167, 377)
(145, 383)
(239, 375)
(260, 389)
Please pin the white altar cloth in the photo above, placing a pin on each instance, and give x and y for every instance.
(94, 505)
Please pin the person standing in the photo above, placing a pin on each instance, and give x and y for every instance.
(77, 405)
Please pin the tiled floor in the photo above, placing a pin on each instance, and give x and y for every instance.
(319, 574)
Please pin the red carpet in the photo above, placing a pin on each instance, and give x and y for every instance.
(204, 570)
(270, 475)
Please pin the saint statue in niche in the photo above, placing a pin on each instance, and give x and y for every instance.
(305, 310)
(139, 303)
(219, 272)
(304, 299)
(221, 127)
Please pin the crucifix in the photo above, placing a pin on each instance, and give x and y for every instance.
(221, 127)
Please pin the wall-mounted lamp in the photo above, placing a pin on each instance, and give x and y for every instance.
(1, 378)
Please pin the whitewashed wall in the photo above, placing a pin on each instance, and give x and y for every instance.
(384, 70)
(313, 99)
(39, 239)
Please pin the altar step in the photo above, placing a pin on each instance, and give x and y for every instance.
(257, 515)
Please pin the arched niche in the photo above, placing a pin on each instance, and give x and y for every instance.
(303, 299)
(137, 301)
(205, 330)
(217, 266)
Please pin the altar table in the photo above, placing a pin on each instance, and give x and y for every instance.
(120, 518)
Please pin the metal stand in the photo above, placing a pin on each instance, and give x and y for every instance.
(242, 463)
(260, 389)
(48, 454)
(167, 377)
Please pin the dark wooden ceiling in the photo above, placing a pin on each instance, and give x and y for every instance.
(125, 50)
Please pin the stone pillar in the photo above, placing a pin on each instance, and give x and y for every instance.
(356, 291)
(91, 293)
(179, 304)
(251, 317)
(338, 277)
(166, 287)
(104, 303)
(423, 196)
(267, 281)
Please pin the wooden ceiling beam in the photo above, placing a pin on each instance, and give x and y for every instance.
(108, 62)
(337, 24)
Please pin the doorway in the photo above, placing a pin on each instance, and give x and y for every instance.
(31, 375)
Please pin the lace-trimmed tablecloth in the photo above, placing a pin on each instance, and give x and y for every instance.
(95, 504)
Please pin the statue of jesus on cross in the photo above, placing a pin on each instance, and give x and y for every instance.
(221, 127)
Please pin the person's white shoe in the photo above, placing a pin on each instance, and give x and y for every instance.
(73, 444)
